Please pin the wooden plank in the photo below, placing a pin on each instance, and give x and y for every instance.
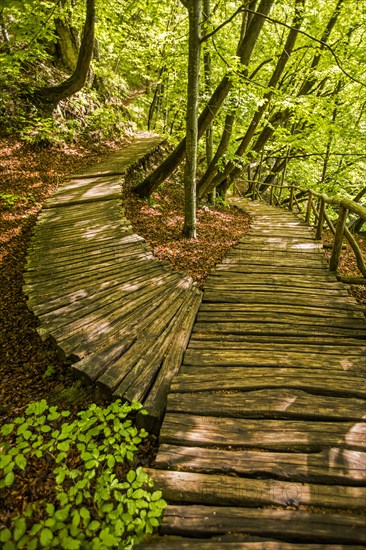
(268, 403)
(263, 289)
(88, 288)
(126, 314)
(66, 325)
(276, 435)
(92, 366)
(263, 269)
(235, 342)
(98, 302)
(287, 525)
(57, 274)
(266, 334)
(121, 326)
(137, 383)
(117, 377)
(322, 382)
(258, 320)
(280, 298)
(215, 543)
(115, 249)
(224, 490)
(155, 402)
(303, 309)
(334, 465)
(245, 358)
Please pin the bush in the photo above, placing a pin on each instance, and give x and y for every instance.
(100, 501)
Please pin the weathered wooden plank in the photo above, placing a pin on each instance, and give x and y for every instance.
(148, 350)
(301, 309)
(285, 525)
(256, 358)
(129, 313)
(88, 288)
(282, 334)
(235, 342)
(322, 382)
(80, 311)
(334, 465)
(281, 298)
(51, 262)
(224, 490)
(268, 403)
(56, 274)
(221, 313)
(284, 435)
(92, 366)
(155, 402)
(122, 325)
(263, 269)
(78, 301)
(250, 289)
(135, 386)
(215, 543)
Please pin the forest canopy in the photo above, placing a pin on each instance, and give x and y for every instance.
(281, 84)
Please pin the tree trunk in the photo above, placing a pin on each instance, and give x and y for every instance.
(208, 89)
(245, 49)
(195, 13)
(48, 98)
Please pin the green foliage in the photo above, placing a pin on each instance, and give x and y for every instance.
(95, 506)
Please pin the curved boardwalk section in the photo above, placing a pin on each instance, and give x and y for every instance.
(120, 316)
(264, 441)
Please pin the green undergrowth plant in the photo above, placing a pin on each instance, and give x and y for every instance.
(100, 500)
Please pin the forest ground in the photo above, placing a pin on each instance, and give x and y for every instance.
(31, 370)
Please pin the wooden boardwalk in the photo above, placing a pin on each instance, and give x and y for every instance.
(263, 445)
(117, 314)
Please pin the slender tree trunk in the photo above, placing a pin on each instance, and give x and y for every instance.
(208, 90)
(194, 49)
(208, 114)
(48, 98)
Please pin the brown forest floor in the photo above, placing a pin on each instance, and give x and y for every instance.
(31, 370)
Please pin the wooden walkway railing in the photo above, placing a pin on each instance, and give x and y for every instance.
(263, 445)
(318, 210)
(117, 314)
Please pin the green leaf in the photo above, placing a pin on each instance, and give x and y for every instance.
(5, 535)
(46, 537)
(50, 509)
(75, 518)
(63, 446)
(62, 514)
(93, 525)
(21, 461)
(131, 476)
(156, 495)
(9, 479)
(7, 429)
(85, 514)
(20, 528)
(111, 461)
(138, 494)
(4, 460)
(9, 545)
(60, 477)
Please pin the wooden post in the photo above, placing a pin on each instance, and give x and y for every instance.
(308, 208)
(291, 204)
(319, 229)
(338, 238)
(271, 195)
